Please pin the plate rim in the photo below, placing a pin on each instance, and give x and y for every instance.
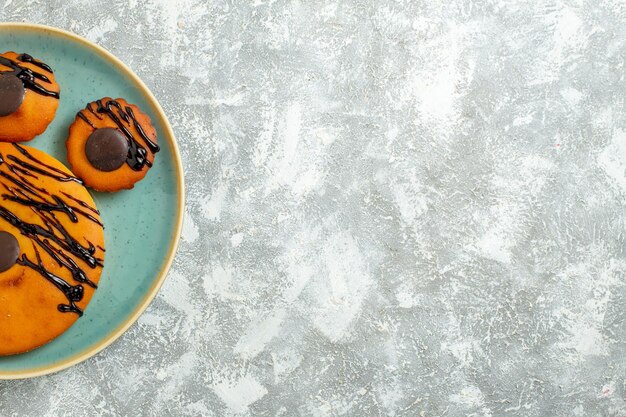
(179, 173)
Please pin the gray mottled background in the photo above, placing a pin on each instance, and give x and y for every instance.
(395, 208)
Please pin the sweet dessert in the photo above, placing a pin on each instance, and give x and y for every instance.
(51, 248)
(29, 97)
(111, 145)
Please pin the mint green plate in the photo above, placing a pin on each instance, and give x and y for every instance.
(142, 225)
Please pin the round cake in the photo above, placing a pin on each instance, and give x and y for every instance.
(29, 97)
(111, 145)
(51, 248)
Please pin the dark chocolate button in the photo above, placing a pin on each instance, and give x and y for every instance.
(9, 250)
(106, 149)
(11, 94)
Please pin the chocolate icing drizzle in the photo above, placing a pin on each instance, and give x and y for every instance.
(51, 237)
(28, 76)
(124, 118)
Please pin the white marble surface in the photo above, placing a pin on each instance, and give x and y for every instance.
(396, 208)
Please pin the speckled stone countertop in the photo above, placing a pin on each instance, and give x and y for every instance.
(395, 208)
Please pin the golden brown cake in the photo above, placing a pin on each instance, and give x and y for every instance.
(29, 97)
(111, 145)
(51, 248)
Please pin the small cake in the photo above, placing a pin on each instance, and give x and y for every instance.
(51, 248)
(111, 145)
(29, 97)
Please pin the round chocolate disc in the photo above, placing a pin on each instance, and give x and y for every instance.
(11, 94)
(107, 149)
(9, 250)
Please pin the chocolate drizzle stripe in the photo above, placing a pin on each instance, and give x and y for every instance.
(51, 236)
(56, 173)
(28, 76)
(124, 118)
(93, 112)
(31, 60)
(85, 119)
(81, 203)
(59, 204)
(73, 293)
(154, 148)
